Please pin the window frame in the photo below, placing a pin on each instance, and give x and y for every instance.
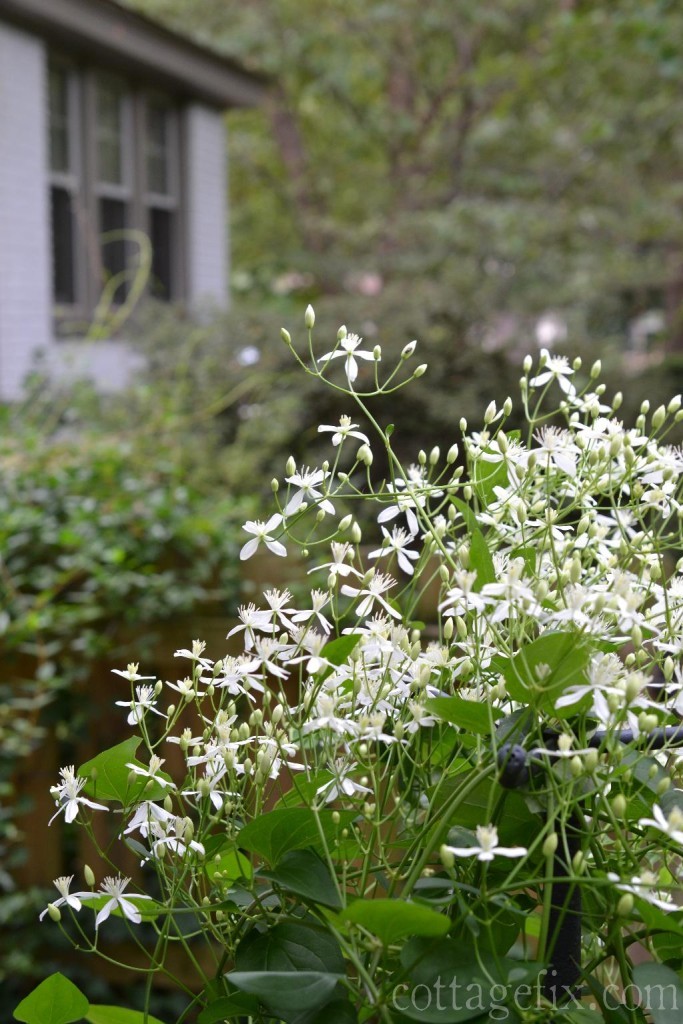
(71, 181)
(171, 200)
(87, 188)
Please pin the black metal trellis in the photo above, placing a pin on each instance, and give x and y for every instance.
(564, 931)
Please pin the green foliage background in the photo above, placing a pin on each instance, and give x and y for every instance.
(499, 158)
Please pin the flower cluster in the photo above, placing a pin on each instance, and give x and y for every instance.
(556, 627)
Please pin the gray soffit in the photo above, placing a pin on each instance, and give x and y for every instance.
(126, 41)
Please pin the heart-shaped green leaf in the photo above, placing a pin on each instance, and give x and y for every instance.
(55, 1001)
(393, 920)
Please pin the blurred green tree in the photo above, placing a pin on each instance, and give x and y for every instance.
(504, 158)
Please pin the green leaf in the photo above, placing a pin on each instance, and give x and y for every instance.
(107, 775)
(337, 651)
(541, 671)
(286, 990)
(579, 1015)
(304, 791)
(232, 865)
(274, 834)
(55, 1001)
(305, 874)
(117, 1015)
(669, 921)
(236, 1005)
(498, 934)
(291, 946)
(515, 823)
(488, 475)
(668, 946)
(339, 1011)
(661, 992)
(481, 560)
(515, 726)
(393, 920)
(448, 981)
(528, 556)
(480, 556)
(612, 1012)
(467, 514)
(467, 714)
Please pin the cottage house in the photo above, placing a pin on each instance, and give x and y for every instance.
(113, 166)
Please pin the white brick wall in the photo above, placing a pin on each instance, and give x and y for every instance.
(206, 212)
(25, 285)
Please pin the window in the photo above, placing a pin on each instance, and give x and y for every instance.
(64, 185)
(113, 187)
(161, 195)
(114, 171)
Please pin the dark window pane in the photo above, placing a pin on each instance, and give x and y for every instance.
(63, 270)
(59, 119)
(161, 237)
(157, 148)
(109, 132)
(114, 249)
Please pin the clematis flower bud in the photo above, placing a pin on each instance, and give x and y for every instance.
(550, 844)
(364, 455)
(658, 417)
(625, 905)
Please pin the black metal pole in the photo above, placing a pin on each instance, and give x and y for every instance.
(564, 932)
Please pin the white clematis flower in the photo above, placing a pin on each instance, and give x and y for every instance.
(488, 848)
(671, 825)
(348, 349)
(345, 429)
(72, 900)
(555, 368)
(67, 795)
(115, 887)
(262, 534)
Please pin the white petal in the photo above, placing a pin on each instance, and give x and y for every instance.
(404, 563)
(277, 548)
(388, 513)
(130, 910)
(365, 607)
(294, 502)
(71, 811)
(104, 912)
(249, 549)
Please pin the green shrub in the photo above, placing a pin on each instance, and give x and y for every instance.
(99, 540)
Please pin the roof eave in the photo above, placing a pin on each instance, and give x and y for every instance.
(103, 29)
